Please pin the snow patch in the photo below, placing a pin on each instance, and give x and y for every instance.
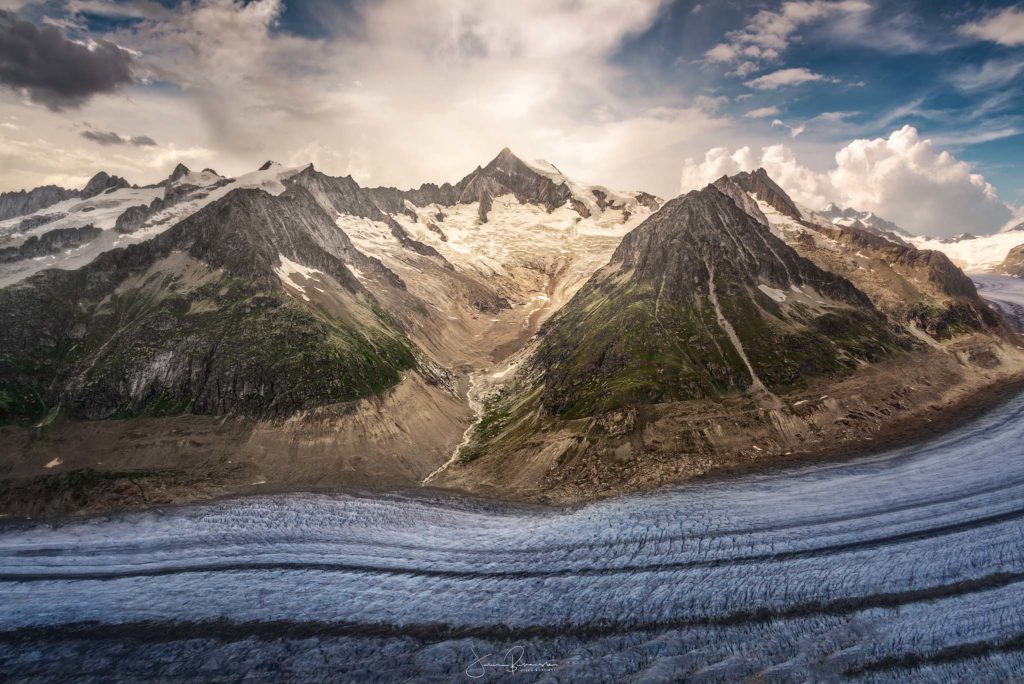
(777, 295)
(289, 268)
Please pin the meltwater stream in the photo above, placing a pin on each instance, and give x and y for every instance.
(904, 565)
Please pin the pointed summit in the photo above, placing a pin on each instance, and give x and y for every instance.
(102, 182)
(180, 171)
(508, 174)
(761, 185)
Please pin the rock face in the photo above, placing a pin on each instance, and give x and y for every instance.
(701, 300)
(865, 220)
(505, 174)
(49, 242)
(102, 182)
(595, 331)
(1014, 262)
(28, 201)
(207, 318)
(178, 187)
(760, 184)
(921, 290)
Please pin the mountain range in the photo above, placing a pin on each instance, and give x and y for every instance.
(516, 333)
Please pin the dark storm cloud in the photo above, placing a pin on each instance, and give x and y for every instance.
(55, 71)
(112, 138)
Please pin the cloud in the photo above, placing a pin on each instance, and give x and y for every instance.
(769, 32)
(112, 138)
(762, 112)
(794, 129)
(995, 73)
(717, 162)
(1005, 27)
(55, 71)
(903, 178)
(426, 89)
(787, 77)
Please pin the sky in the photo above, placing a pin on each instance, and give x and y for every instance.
(913, 110)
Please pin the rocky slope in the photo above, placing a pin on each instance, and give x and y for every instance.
(24, 202)
(201, 320)
(731, 327)
(921, 289)
(698, 301)
(1014, 262)
(49, 242)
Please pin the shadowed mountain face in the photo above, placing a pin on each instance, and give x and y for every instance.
(198, 320)
(759, 184)
(922, 289)
(23, 202)
(701, 300)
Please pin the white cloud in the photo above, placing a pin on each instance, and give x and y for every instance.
(415, 91)
(794, 130)
(903, 178)
(787, 77)
(1005, 27)
(762, 112)
(769, 32)
(717, 162)
(995, 73)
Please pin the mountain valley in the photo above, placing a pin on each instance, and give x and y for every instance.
(517, 334)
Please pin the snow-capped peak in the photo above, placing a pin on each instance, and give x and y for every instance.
(594, 197)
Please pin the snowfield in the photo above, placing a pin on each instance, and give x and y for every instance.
(978, 255)
(102, 211)
(908, 564)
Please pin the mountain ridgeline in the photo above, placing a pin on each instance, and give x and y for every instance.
(515, 332)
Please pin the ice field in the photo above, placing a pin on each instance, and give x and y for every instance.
(907, 564)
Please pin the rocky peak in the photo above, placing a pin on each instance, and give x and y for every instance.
(267, 164)
(247, 230)
(102, 182)
(760, 184)
(507, 174)
(180, 171)
(732, 189)
(705, 234)
(21, 202)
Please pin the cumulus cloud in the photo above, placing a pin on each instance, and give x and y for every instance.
(112, 138)
(787, 77)
(54, 71)
(903, 178)
(1005, 27)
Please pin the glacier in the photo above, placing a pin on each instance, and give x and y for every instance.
(907, 563)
